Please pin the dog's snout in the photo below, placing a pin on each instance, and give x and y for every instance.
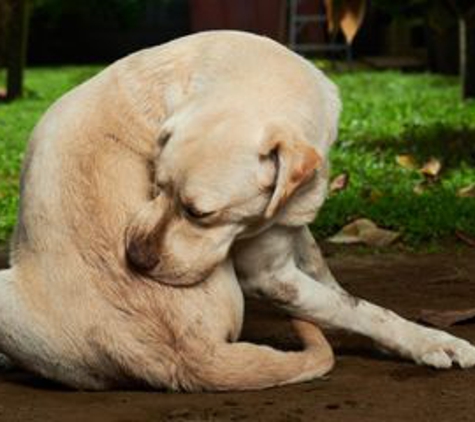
(141, 256)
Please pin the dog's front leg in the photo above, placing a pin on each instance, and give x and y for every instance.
(268, 265)
(309, 258)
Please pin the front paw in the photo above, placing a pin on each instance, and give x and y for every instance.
(441, 350)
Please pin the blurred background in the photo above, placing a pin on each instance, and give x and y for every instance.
(406, 34)
(405, 160)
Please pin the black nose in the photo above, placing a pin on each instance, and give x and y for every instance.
(142, 256)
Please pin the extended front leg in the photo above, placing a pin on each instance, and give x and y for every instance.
(309, 258)
(275, 274)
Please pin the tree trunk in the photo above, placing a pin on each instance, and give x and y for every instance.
(16, 47)
(467, 58)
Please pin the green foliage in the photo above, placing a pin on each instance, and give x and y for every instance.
(385, 114)
(404, 8)
(388, 114)
(17, 119)
(439, 14)
(87, 13)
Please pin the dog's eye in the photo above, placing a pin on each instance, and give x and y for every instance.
(192, 212)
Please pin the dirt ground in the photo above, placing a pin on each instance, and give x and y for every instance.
(364, 386)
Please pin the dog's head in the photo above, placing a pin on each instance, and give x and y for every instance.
(220, 176)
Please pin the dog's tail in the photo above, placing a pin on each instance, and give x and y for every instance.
(246, 366)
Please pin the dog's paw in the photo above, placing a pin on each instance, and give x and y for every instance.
(441, 350)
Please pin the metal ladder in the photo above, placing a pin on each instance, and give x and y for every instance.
(298, 21)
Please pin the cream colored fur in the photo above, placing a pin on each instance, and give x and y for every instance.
(72, 307)
(146, 187)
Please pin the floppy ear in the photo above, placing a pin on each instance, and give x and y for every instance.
(295, 161)
(142, 236)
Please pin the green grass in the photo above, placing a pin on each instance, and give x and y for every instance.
(17, 119)
(385, 114)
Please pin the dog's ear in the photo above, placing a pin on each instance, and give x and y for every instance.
(295, 162)
(142, 236)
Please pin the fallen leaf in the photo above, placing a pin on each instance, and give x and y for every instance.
(444, 319)
(351, 18)
(346, 15)
(375, 195)
(464, 237)
(407, 161)
(467, 191)
(364, 231)
(420, 188)
(431, 168)
(339, 183)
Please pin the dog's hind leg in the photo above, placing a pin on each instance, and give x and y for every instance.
(246, 366)
(6, 277)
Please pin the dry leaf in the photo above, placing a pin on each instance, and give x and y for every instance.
(375, 195)
(332, 16)
(444, 319)
(464, 237)
(407, 161)
(420, 188)
(351, 18)
(365, 231)
(431, 168)
(347, 15)
(467, 191)
(339, 183)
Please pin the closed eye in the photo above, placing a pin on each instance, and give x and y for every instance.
(194, 213)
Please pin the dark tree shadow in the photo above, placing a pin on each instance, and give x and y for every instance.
(453, 146)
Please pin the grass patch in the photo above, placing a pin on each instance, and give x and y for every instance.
(385, 114)
(17, 120)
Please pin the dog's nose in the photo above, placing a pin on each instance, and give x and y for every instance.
(142, 256)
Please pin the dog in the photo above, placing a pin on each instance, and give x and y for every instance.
(230, 147)
(77, 306)
(147, 189)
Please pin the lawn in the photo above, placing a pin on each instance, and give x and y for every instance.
(386, 114)
(17, 119)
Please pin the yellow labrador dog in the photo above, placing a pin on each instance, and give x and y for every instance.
(78, 305)
(144, 190)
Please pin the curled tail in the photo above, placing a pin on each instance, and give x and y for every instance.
(246, 366)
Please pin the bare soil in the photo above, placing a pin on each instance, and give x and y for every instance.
(364, 386)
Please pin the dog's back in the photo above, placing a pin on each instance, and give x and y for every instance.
(77, 313)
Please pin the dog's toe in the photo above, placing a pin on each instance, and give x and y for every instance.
(437, 358)
(446, 351)
(463, 353)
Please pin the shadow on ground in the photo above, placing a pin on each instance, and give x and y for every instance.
(364, 386)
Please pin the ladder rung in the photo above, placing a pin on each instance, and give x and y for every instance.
(309, 18)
